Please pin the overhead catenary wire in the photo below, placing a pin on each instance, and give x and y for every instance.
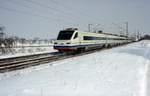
(29, 13)
(39, 12)
(90, 19)
(80, 16)
(79, 12)
(64, 13)
(68, 17)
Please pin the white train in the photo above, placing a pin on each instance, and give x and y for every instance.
(72, 39)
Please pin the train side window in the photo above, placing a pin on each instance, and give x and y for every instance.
(75, 36)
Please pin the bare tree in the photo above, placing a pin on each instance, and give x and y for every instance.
(6, 44)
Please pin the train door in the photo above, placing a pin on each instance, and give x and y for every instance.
(75, 38)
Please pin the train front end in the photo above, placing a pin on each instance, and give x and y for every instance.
(67, 41)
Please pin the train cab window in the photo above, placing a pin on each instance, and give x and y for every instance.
(65, 35)
(75, 36)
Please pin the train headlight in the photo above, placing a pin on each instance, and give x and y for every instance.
(68, 43)
(55, 43)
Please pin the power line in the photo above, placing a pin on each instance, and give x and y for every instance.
(27, 13)
(29, 7)
(75, 17)
(70, 8)
(45, 6)
(32, 13)
(72, 17)
(18, 3)
(53, 9)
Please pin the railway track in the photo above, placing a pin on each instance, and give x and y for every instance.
(15, 63)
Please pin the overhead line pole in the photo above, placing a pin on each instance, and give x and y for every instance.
(89, 27)
(127, 33)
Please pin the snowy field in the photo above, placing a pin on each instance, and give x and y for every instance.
(121, 71)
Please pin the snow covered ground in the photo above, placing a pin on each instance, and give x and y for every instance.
(28, 49)
(121, 71)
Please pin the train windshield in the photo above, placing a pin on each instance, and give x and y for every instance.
(65, 35)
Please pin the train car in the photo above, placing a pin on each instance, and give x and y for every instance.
(72, 39)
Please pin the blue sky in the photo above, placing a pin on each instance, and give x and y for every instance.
(44, 18)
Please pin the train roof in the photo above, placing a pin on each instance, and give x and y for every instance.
(104, 33)
(113, 34)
